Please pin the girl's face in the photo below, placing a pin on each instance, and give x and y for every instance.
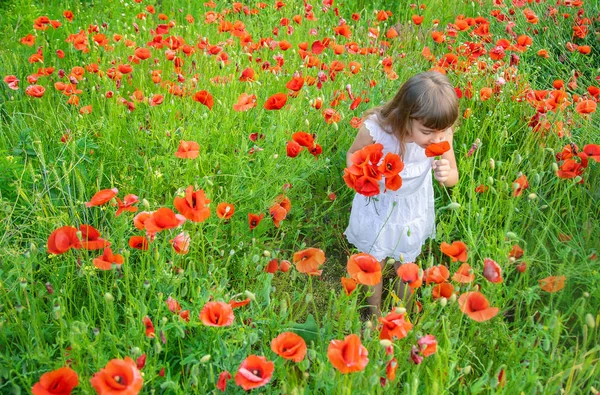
(423, 136)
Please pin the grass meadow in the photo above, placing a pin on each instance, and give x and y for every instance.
(159, 100)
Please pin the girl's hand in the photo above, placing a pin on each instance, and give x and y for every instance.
(441, 169)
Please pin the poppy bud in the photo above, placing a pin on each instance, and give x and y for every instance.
(306, 122)
(108, 297)
(467, 370)
(400, 310)
(335, 126)
(453, 298)
(146, 204)
(577, 180)
(492, 163)
(554, 167)
(23, 283)
(586, 294)
(369, 324)
(511, 235)
(205, 358)
(385, 343)
(453, 206)
(266, 253)
(250, 295)
(532, 196)
(590, 321)
(390, 261)
(536, 178)
(443, 301)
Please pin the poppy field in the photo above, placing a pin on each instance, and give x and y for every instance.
(173, 199)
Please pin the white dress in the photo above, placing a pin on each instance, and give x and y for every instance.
(395, 223)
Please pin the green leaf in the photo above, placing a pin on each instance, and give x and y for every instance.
(308, 330)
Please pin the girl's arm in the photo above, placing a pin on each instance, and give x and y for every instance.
(362, 139)
(445, 170)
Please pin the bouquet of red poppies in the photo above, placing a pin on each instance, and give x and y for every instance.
(368, 168)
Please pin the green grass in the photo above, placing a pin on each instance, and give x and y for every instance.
(540, 340)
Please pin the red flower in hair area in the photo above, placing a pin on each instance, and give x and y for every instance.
(107, 259)
(254, 372)
(118, 377)
(217, 314)
(276, 101)
(102, 197)
(194, 206)
(63, 239)
(394, 326)
(308, 261)
(187, 150)
(90, 238)
(57, 382)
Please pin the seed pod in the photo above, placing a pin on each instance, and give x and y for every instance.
(590, 321)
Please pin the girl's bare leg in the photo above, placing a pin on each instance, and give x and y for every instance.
(403, 290)
(374, 300)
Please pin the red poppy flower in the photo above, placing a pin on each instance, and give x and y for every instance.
(163, 218)
(194, 206)
(150, 332)
(203, 97)
(436, 274)
(348, 355)
(254, 372)
(290, 346)
(592, 151)
(107, 259)
(245, 102)
(173, 305)
(272, 266)
(63, 239)
(428, 345)
(308, 261)
(520, 184)
(225, 210)
(36, 91)
(349, 285)
(222, 383)
(464, 274)
(90, 238)
(394, 326)
(217, 314)
(187, 150)
(254, 219)
(411, 274)
(437, 149)
(457, 251)
(120, 377)
(442, 290)
(57, 382)
(491, 271)
(181, 243)
(391, 165)
(138, 242)
(304, 139)
(417, 19)
(276, 101)
(102, 197)
(364, 268)
(331, 116)
(12, 82)
(552, 283)
(126, 204)
(476, 306)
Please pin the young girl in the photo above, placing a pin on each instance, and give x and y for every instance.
(396, 223)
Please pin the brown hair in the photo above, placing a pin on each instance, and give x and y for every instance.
(427, 97)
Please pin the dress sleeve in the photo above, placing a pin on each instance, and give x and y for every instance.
(373, 127)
